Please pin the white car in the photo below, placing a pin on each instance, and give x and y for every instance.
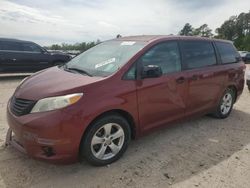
(248, 78)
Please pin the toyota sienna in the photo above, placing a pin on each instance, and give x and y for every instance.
(92, 106)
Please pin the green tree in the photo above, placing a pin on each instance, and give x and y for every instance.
(187, 30)
(237, 29)
(77, 46)
(227, 29)
(203, 31)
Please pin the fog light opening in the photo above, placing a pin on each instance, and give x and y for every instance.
(48, 151)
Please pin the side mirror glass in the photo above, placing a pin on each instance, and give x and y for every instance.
(151, 71)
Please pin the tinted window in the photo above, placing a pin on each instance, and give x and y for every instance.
(9, 46)
(198, 54)
(165, 55)
(227, 52)
(29, 47)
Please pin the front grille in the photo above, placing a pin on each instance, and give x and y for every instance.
(21, 107)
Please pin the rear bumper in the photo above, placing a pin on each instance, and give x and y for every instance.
(53, 137)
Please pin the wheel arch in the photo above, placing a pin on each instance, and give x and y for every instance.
(119, 112)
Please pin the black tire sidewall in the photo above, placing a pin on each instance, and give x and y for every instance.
(85, 148)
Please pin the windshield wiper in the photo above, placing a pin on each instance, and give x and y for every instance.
(77, 70)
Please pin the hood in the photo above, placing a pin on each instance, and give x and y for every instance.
(59, 53)
(53, 82)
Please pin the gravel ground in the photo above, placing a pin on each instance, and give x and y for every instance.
(203, 152)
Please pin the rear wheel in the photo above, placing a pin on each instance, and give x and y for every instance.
(226, 104)
(106, 141)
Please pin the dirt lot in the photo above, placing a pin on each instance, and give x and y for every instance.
(204, 152)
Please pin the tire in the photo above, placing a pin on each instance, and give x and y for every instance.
(225, 105)
(99, 147)
(58, 63)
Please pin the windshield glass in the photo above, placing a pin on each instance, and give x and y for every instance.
(105, 58)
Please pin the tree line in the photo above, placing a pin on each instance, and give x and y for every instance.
(236, 29)
(83, 46)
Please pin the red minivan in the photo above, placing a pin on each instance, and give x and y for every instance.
(120, 89)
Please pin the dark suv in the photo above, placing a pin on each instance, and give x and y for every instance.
(24, 56)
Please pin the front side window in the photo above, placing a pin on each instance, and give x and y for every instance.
(165, 55)
(227, 52)
(106, 58)
(29, 47)
(198, 54)
(131, 74)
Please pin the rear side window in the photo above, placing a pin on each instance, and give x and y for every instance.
(198, 54)
(9, 46)
(227, 52)
(165, 55)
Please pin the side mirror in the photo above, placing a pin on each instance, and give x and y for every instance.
(151, 71)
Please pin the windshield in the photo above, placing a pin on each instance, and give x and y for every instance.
(105, 58)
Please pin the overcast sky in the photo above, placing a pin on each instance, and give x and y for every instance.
(70, 21)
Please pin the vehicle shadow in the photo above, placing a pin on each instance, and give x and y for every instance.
(168, 156)
(9, 77)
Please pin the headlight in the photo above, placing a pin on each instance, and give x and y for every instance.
(53, 103)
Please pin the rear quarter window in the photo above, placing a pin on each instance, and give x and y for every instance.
(227, 52)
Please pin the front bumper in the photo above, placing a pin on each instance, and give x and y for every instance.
(52, 136)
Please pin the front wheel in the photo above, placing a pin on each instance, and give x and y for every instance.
(106, 141)
(226, 104)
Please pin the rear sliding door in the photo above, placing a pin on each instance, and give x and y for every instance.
(205, 80)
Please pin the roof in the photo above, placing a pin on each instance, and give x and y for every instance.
(12, 40)
(150, 38)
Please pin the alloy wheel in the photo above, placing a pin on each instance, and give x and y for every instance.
(226, 104)
(107, 141)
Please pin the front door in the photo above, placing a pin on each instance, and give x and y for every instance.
(163, 99)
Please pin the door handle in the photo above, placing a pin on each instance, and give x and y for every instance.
(180, 80)
(14, 59)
